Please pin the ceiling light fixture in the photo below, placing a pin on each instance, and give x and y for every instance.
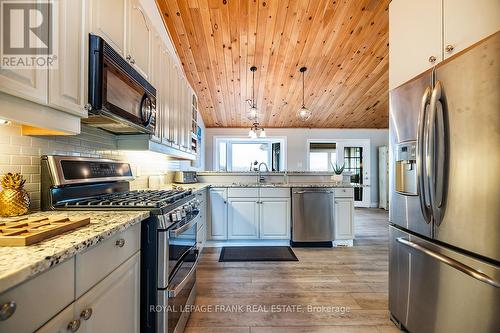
(303, 113)
(255, 131)
(4, 122)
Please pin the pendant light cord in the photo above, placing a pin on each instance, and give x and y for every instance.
(303, 103)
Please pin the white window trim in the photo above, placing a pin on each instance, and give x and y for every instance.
(219, 138)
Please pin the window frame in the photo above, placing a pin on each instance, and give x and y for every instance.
(229, 140)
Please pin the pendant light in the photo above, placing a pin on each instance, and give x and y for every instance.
(252, 112)
(303, 113)
(255, 131)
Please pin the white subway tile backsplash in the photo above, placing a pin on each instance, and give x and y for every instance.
(22, 154)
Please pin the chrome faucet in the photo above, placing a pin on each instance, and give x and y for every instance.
(261, 178)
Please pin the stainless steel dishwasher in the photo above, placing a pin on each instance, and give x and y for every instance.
(312, 217)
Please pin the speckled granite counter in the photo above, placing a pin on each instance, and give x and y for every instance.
(201, 186)
(18, 264)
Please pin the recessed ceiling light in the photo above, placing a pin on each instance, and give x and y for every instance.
(4, 122)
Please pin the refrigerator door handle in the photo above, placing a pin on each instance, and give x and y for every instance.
(437, 152)
(421, 167)
(450, 262)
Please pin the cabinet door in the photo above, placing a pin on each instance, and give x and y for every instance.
(113, 302)
(108, 21)
(176, 91)
(275, 218)
(166, 93)
(67, 81)
(61, 322)
(467, 22)
(218, 214)
(243, 218)
(344, 214)
(157, 81)
(138, 38)
(415, 32)
(29, 83)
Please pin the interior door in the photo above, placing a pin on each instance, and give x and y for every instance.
(470, 85)
(355, 156)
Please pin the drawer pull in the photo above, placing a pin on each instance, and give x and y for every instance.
(86, 314)
(120, 242)
(74, 325)
(7, 310)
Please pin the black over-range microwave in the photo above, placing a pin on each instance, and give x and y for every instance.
(121, 100)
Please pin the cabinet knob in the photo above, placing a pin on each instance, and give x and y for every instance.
(129, 57)
(132, 61)
(74, 325)
(87, 107)
(225, 202)
(449, 48)
(7, 310)
(86, 314)
(120, 242)
(432, 59)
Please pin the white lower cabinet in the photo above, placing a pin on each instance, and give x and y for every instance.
(113, 304)
(344, 214)
(110, 306)
(218, 214)
(243, 218)
(62, 322)
(275, 218)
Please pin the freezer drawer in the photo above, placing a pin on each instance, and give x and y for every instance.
(435, 289)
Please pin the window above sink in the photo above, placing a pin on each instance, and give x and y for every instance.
(240, 154)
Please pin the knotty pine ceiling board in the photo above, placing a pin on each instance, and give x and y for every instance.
(343, 44)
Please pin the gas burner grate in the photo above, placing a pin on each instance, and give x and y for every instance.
(139, 199)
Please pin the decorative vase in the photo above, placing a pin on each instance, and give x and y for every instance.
(14, 200)
(337, 178)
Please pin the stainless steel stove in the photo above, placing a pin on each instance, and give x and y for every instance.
(168, 248)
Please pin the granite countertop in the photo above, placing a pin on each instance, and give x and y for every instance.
(18, 264)
(196, 187)
(265, 173)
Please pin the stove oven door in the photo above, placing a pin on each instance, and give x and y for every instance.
(180, 294)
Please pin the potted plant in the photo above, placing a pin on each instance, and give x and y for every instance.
(337, 170)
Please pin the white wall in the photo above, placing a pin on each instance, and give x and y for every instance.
(296, 143)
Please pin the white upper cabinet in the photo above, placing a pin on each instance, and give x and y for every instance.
(67, 82)
(415, 42)
(138, 38)
(108, 21)
(467, 22)
(422, 33)
(30, 84)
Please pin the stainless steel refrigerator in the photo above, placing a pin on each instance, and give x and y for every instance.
(444, 271)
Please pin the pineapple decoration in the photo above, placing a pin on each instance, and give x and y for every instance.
(14, 200)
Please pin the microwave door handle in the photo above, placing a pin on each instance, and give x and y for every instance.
(178, 288)
(421, 166)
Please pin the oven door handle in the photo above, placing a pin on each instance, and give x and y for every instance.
(173, 292)
(187, 226)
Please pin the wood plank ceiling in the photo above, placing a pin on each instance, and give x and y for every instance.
(343, 43)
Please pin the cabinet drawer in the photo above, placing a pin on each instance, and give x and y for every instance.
(266, 192)
(344, 192)
(243, 192)
(39, 299)
(96, 263)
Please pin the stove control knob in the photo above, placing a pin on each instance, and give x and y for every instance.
(173, 217)
(179, 214)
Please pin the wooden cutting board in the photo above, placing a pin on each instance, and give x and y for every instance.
(30, 230)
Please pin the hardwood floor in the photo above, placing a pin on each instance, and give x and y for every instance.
(328, 290)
